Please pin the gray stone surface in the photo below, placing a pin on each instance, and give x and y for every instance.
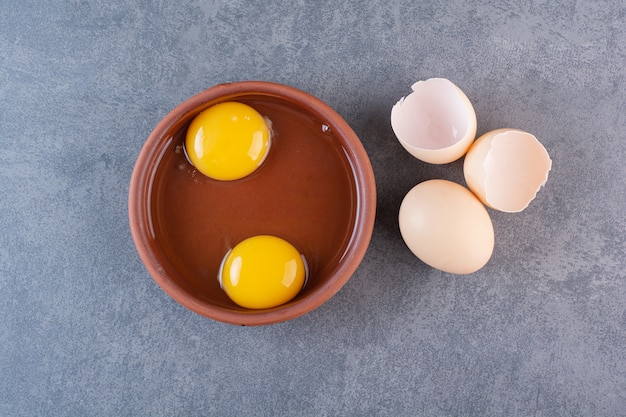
(540, 331)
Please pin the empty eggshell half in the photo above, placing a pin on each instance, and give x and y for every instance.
(505, 168)
(446, 226)
(436, 123)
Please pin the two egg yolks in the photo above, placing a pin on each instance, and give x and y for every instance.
(262, 272)
(227, 141)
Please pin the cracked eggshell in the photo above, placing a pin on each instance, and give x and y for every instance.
(446, 227)
(436, 123)
(505, 168)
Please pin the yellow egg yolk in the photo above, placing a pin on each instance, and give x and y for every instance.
(262, 272)
(227, 141)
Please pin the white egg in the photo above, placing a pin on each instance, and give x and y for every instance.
(505, 168)
(436, 123)
(446, 227)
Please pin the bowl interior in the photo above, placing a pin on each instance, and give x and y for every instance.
(315, 189)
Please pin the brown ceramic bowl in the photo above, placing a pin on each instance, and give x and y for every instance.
(315, 189)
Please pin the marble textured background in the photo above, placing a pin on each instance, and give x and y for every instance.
(540, 331)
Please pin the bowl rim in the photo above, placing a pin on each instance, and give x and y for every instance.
(149, 158)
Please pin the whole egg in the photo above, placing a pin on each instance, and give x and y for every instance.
(446, 227)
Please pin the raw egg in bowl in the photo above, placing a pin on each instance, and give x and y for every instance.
(302, 210)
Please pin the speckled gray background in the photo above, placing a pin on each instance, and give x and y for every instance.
(540, 331)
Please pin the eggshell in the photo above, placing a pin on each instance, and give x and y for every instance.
(505, 168)
(446, 227)
(436, 123)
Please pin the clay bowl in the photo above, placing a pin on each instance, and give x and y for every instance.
(315, 189)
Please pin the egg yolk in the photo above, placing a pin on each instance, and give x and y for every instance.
(262, 272)
(227, 141)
